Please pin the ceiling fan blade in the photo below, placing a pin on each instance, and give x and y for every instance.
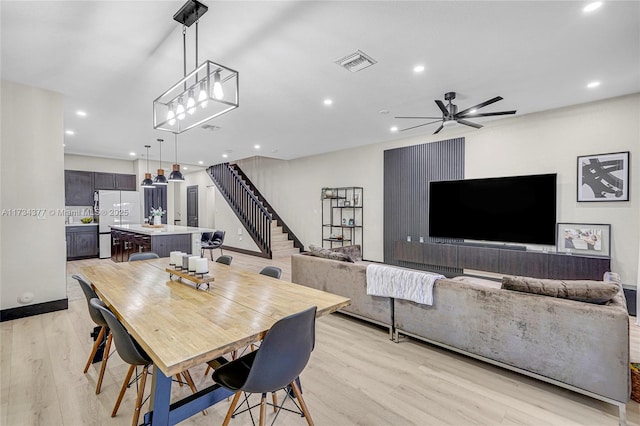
(420, 125)
(468, 123)
(442, 107)
(439, 128)
(489, 114)
(483, 104)
(424, 118)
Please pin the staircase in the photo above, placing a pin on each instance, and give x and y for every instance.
(264, 225)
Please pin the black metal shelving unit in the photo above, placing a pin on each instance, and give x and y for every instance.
(342, 216)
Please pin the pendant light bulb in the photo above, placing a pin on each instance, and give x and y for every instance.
(171, 116)
(203, 98)
(218, 93)
(191, 103)
(180, 111)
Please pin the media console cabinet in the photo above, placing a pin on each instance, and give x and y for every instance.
(452, 259)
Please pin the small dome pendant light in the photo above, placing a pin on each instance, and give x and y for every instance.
(147, 183)
(176, 175)
(160, 178)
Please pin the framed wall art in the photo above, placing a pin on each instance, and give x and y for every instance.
(584, 238)
(603, 177)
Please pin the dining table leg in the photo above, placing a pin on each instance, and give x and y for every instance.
(160, 399)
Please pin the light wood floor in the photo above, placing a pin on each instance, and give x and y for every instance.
(356, 376)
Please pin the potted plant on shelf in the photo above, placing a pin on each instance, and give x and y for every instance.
(157, 215)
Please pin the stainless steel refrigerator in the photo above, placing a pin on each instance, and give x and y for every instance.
(115, 208)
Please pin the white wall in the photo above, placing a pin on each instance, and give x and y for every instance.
(33, 250)
(547, 142)
(97, 164)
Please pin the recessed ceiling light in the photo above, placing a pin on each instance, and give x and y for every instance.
(200, 162)
(225, 155)
(473, 111)
(133, 154)
(327, 101)
(81, 113)
(256, 146)
(70, 132)
(593, 84)
(592, 6)
(185, 168)
(418, 68)
(384, 111)
(394, 128)
(64, 144)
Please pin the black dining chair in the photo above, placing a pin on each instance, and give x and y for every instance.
(278, 362)
(226, 259)
(215, 242)
(131, 353)
(143, 256)
(271, 271)
(97, 318)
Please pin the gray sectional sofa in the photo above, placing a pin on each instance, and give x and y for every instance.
(577, 345)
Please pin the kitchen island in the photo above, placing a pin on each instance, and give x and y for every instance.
(127, 239)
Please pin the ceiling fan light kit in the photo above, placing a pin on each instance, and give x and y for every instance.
(208, 91)
(451, 116)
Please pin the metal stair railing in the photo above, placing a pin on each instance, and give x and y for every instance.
(275, 216)
(253, 215)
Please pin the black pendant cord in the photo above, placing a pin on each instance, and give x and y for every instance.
(160, 143)
(184, 53)
(175, 141)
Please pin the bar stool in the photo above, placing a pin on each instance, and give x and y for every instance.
(116, 246)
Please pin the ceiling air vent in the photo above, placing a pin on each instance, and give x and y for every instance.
(356, 61)
(210, 127)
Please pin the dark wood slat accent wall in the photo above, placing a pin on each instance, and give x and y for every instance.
(407, 173)
(453, 259)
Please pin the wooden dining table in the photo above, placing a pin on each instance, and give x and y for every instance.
(181, 326)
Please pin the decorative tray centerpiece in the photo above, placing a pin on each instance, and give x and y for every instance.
(194, 269)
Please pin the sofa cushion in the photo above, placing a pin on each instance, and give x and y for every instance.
(328, 254)
(598, 292)
(353, 251)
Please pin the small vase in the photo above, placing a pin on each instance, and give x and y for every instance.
(157, 220)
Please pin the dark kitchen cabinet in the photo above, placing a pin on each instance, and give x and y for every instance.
(82, 242)
(111, 181)
(78, 188)
(126, 182)
(104, 181)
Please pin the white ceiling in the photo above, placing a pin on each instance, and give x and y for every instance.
(112, 58)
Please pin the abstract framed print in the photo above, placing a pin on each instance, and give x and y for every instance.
(603, 177)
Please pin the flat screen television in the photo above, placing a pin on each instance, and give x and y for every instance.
(514, 209)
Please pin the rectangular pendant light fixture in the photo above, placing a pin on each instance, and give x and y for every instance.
(207, 92)
(214, 90)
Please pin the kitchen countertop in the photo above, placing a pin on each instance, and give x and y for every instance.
(165, 230)
(81, 224)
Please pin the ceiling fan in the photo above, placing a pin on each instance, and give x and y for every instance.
(451, 116)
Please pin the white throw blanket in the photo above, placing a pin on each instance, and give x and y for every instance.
(389, 281)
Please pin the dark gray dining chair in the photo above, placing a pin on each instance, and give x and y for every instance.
(215, 242)
(146, 255)
(284, 353)
(226, 259)
(271, 271)
(97, 318)
(131, 353)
